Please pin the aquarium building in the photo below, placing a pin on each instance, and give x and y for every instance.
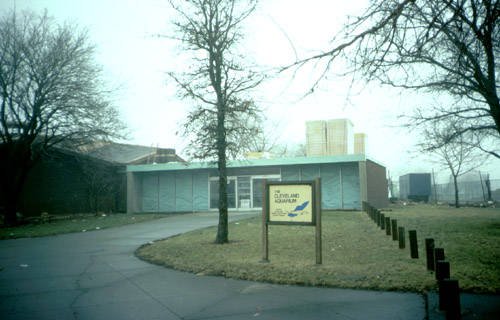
(346, 181)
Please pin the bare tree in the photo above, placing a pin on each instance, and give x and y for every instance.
(102, 183)
(211, 30)
(266, 140)
(487, 182)
(457, 155)
(438, 46)
(390, 184)
(50, 94)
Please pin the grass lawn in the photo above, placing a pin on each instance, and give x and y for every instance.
(356, 253)
(470, 238)
(75, 223)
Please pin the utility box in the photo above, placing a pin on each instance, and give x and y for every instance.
(415, 186)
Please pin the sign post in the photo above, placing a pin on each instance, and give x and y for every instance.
(319, 255)
(265, 243)
(291, 203)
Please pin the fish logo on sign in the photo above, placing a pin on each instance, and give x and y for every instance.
(297, 209)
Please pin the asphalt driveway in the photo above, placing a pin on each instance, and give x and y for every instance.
(95, 275)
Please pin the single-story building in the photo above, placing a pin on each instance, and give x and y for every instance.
(346, 181)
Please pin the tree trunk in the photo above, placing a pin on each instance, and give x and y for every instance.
(457, 202)
(222, 229)
(488, 187)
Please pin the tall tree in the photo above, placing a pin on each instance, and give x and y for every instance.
(438, 46)
(242, 124)
(457, 155)
(211, 30)
(50, 94)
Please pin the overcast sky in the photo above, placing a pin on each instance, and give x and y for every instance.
(135, 61)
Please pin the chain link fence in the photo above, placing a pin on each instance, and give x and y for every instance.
(475, 191)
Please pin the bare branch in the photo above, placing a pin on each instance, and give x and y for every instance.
(444, 47)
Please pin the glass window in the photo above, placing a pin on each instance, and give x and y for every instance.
(214, 194)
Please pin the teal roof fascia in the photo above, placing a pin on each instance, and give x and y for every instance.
(177, 166)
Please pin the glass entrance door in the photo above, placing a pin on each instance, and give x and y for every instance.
(244, 193)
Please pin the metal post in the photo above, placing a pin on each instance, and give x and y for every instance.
(265, 240)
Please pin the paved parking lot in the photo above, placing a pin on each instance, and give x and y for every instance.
(95, 275)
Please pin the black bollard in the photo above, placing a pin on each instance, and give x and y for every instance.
(438, 255)
(442, 270)
(382, 221)
(388, 226)
(394, 231)
(451, 297)
(429, 253)
(413, 244)
(401, 237)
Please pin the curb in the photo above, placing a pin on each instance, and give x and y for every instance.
(474, 306)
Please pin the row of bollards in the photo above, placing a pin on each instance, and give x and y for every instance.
(449, 291)
(391, 229)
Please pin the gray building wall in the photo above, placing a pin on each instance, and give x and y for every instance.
(339, 182)
(377, 193)
(179, 191)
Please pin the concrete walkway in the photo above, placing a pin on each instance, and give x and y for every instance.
(95, 275)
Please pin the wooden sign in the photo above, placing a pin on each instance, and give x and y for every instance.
(291, 203)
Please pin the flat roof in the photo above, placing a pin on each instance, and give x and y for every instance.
(177, 166)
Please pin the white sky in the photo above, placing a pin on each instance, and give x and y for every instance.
(135, 61)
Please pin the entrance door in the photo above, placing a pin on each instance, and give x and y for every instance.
(244, 193)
